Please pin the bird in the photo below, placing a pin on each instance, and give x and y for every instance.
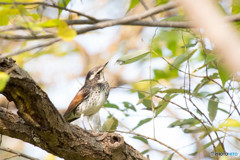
(90, 98)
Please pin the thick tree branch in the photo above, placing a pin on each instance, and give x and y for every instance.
(42, 125)
(14, 126)
(33, 104)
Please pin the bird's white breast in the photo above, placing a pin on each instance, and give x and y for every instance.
(94, 103)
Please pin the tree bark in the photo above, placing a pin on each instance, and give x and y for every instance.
(38, 122)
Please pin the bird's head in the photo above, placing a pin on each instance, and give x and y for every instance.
(95, 75)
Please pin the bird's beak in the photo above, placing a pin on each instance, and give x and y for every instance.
(105, 65)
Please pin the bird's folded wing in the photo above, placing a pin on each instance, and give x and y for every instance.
(80, 96)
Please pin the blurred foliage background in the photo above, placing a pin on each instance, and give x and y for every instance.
(170, 93)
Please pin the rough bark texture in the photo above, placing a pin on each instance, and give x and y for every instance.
(38, 122)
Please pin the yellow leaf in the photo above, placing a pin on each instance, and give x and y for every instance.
(8, 11)
(66, 33)
(4, 77)
(223, 157)
(29, 1)
(230, 123)
(50, 23)
(50, 157)
(143, 85)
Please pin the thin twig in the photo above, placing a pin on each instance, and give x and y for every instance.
(229, 95)
(18, 153)
(29, 49)
(103, 24)
(185, 109)
(146, 7)
(169, 24)
(154, 139)
(49, 5)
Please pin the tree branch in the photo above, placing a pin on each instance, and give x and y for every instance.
(102, 24)
(49, 5)
(14, 126)
(43, 126)
(135, 20)
(17, 153)
(29, 48)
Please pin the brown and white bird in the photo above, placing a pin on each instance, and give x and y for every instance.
(90, 98)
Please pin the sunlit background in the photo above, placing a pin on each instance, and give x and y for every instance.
(61, 73)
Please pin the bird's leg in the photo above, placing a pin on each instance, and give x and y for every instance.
(90, 124)
(82, 119)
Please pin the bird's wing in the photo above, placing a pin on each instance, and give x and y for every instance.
(83, 93)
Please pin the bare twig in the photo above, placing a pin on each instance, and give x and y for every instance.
(146, 7)
(154, 139)
(185, 109)
(29, 49)
(103, 24)
(17, 153)
(171, 24)
(49, 5)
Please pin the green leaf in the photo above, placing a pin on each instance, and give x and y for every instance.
(223, 110)
(235, 7)
(224, 74)
(230, 123)
(145, 151)
(165, 74)
(163, 103)
(146, 101)
(182, 58)
(169, 157)
(144, 140)
(110, 105)
(133, 3)
(205, 146)
(203, 82)
(66, 33)
(197, 129)
(171, 39)
(142, 122)
(133, 57)
(129, 106)
(110, 125)
(219, 148)
(212, 107)
(62, 3)
(184, 122)
(159, 2)
(175, 90)
(175, 18)
(4, 77)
